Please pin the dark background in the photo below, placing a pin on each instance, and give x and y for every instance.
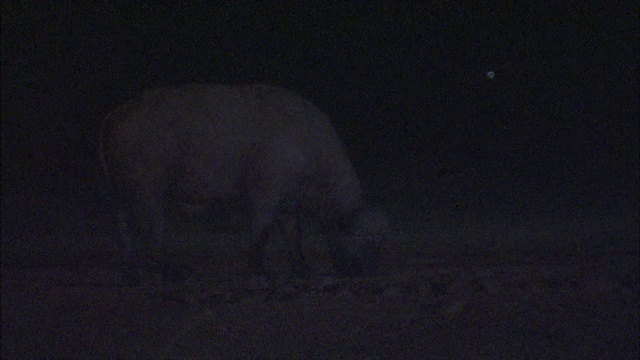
(543, 156)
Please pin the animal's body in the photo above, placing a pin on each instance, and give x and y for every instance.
(265, 146)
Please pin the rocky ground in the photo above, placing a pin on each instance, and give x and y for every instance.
(481, 307)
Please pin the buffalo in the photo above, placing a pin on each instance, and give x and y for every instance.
(266, 147)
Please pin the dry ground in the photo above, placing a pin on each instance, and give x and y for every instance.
(520, 306)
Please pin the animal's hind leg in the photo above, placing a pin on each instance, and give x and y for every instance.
(130, 271)
(142, 233)
(162, 260)
(141, 230)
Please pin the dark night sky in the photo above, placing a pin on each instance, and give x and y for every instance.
(405, 86)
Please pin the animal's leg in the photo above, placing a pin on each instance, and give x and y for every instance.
(146, 250)
(259, 235)
(148, 213)
(162, 260)
(265, 200)
(130, 275)
(272, 175)
(290, 224)
(342, 263)
(124, 236)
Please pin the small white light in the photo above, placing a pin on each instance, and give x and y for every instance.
(490, 75)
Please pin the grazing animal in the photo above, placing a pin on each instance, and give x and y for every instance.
(267, 147)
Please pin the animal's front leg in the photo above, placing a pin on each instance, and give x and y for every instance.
(259, 236)
(290, 225)
(344, 263)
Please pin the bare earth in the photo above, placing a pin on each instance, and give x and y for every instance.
(452, 308)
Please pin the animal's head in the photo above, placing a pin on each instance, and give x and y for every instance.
(357, 247)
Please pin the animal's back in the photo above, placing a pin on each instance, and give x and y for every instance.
(211, 136)
(245, 114)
